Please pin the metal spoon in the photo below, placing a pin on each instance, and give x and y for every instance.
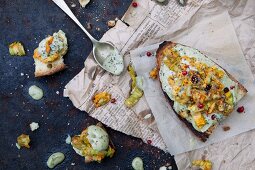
(105, 54)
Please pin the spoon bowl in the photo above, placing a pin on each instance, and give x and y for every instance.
(108, 57)
(105, 54)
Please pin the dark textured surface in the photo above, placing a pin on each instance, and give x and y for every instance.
(29, 21)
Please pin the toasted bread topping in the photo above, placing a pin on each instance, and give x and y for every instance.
(101, 99)
(203, 164)
(51, 48)
(154, 73)
(136, 91)
(202, 92)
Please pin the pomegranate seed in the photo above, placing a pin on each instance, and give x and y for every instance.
(240, 109)
(232, 87)
(186, 66)
(213, 117)
(184, 73)
(149, 142)
(134, 4)
(148, 54)
(113, 100)
(200, 105)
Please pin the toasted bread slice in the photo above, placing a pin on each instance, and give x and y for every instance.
(48, 56)
(42, 69)
(189, 117)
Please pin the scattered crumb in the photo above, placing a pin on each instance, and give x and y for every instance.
(113, 100)
(98, 29)
(89, 26)
(22, 74)
(147, 116)
(34, 126)
(226, 128)
(73, 5)
(57, 92)
(83, 3)
(133, 14)
(111, 23)
(202, 164)
(154, 73)
(68, 139)
(18, 146)
(73, 164)
(68, 124)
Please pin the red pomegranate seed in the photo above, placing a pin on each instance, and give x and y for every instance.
(240, 109)
(184, 73)
(149, 142)
(135, 4)
(232, 87)
(200, 105)
(213, 117)
(113, 100)
(148, 54)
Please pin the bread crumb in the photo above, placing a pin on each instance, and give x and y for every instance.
(226, 128)
(18, 146)
(34, 126)
(68, 139)
(73, 164)
(73, 5)
(22, 74)
(111, 23)
(89, 26)
(83, 3)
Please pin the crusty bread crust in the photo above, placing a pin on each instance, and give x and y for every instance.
(202, 136)
(49, 71)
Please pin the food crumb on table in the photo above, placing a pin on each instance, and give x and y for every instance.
(226, 128)
(34, 126)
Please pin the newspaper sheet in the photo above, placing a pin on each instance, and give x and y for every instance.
(137, 28)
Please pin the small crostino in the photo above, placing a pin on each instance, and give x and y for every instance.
(93, 144)
(201, 93)
(48, 56)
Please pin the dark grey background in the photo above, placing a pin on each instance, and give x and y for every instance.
(29, 21)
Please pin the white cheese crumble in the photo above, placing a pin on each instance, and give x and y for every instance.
(34, 126)
(17, 145)
(68, 140)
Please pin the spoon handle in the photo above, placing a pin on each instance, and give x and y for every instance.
(61, 4)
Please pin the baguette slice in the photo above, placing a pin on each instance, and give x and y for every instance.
(54, 48)
(240, 90)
